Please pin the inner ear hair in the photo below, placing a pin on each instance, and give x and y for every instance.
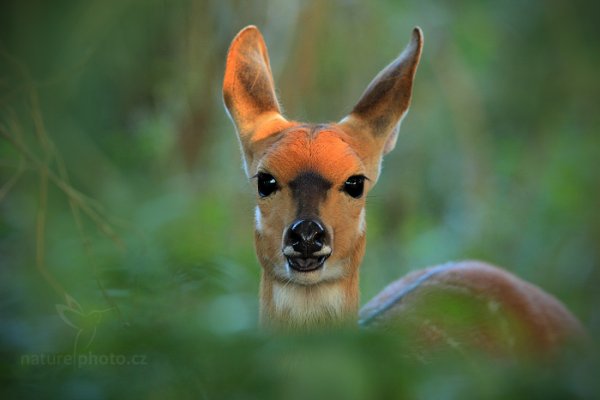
(248, 88)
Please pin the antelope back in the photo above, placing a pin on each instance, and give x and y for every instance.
(473, 305)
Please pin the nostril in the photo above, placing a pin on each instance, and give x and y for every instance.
(306, 236)
(293, 238)
(319, 236)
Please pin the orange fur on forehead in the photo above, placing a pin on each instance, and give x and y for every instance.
(327, 151)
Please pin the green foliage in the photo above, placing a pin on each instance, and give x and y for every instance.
(126, 222)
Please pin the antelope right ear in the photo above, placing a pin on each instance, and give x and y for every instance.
(248, 89)
(384, 103)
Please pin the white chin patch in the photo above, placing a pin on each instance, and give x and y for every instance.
(258, 220)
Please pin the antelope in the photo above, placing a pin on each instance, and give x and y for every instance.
(311, 184)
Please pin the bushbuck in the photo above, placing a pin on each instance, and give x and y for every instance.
(311, 184)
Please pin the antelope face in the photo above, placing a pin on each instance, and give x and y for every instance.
(311, 186)
(311, 180)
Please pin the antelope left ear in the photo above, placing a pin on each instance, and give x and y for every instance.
(384, 103)
(248, 88)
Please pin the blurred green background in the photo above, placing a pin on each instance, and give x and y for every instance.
(126, 223)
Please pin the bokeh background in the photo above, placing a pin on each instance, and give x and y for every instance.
(126, 221)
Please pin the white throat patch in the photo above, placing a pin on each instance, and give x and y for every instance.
(307, 305)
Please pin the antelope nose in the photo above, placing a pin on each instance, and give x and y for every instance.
(306, 237)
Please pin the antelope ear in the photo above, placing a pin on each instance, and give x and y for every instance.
(384, 103)
(248, 89)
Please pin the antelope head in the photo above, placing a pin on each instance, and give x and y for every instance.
(311, 182)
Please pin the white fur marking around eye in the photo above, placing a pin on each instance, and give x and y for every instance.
(258, 220)
(306, 304)
(362, 222)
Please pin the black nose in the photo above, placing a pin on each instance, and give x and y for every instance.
(306, 237)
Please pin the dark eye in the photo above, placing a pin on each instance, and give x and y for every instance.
(354, 186)
(266, 184)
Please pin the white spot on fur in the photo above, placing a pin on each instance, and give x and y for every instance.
(493, 306)
(362, 223)
(308, 304)
(379, 167)
(325, 251)
(345, 119)
(258, 220)
(289, 251)
(333, 270)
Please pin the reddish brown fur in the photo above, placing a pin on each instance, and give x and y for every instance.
(533, 321)
(355, 146)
